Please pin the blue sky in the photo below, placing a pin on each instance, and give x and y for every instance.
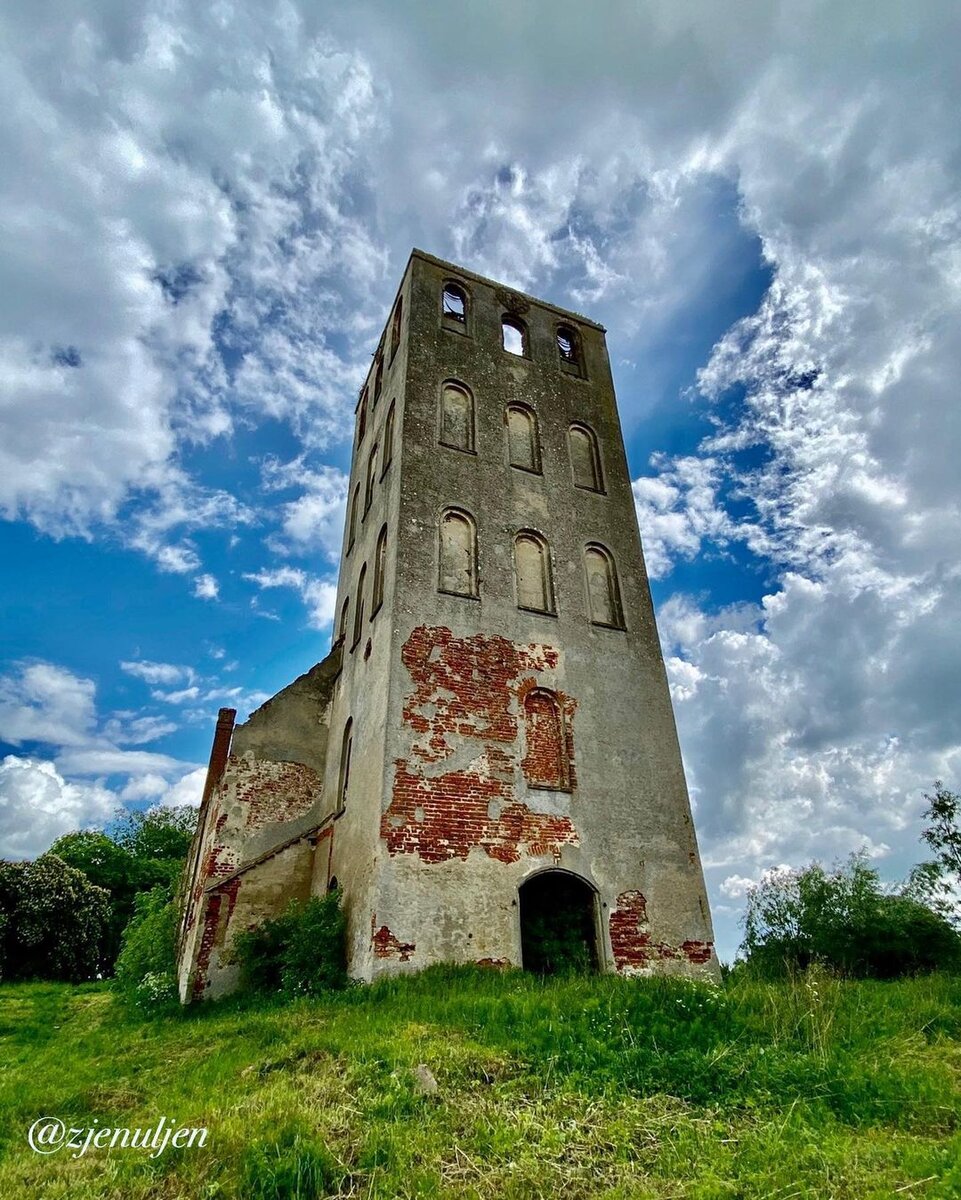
(207, 212)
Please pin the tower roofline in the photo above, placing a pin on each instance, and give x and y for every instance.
(456, 269)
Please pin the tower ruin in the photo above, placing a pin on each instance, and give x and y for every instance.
(489, 748)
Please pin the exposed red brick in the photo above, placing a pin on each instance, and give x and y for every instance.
(631, 942)
(388, 946)
(456, 816)
(220, 906)
(469, 688)
(219, 750)
(697, 952)
(494, 963)
(274, 791)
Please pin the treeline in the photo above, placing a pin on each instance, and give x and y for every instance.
(846, 920)
(63, 916)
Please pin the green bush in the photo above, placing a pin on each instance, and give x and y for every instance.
(844, 920)
(301, 952)
(54, 923)
(145, 967)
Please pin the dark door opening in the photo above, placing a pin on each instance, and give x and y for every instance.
(557, 924)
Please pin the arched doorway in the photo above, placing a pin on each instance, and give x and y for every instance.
(558, 927)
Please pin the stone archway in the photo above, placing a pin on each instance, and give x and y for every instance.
(558, 924)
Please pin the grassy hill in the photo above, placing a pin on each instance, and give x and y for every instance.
(596, 1088)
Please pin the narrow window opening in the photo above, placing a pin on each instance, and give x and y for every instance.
(457, 554)
(344, 612)
(547, 763)
(454, 303)
(395, 327)
(371, 479)
(359, 610)
(522, 441)
(388, 439)
(603, 591)
(352, 526)
(380, 560)
(532, 567)
(514, 336)
(362, 418)
(569, 349)
(457, 417)
(585, 459)
(378, 379)
(346, 746)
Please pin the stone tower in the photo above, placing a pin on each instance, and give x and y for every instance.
(488, 754)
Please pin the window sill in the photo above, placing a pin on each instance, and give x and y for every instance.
(460, 595)
(540, 612)
(607, 625)
(459, 449)
(454, 326)
(527, 470)
(567, 788)
(594, 491)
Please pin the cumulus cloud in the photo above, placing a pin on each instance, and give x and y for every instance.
(315, 519)
(50, 711)
(319, 595)
(38, 805)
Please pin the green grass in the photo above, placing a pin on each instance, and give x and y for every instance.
(598, 1088)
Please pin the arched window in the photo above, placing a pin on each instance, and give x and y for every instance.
(457, 553)
(362, 418)
(344, 611)
(359, 610)
(603, 591)
(514, 334)
(585, 459)
(388, 439)
(352, 525)
(532, 566)
(522, 443)
(457, 417)
(569, 348)
(371, 478)
(395, 327)
(378, 379)
(454, 305)
(547, 763)
(380, 559)
(346, 746)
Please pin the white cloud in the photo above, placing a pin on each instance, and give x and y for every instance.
(206, 587)
(46, 705)
(319, 595)
(153, 672)
(37, 805)
(315, 520)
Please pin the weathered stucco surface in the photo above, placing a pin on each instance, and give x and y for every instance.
(489, 742)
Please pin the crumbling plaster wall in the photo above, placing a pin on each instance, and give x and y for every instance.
(262, 799)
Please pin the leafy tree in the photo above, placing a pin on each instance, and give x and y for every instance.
(938, 883)
(145, 966)
(55, 922)
(110, 866)
(161, 834)
(843, 919)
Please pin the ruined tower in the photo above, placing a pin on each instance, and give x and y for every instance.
(488, 754)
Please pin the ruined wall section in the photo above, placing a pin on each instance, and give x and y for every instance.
(461, 827)
(264, 803)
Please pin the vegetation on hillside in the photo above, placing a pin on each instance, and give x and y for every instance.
(63, 915)
(587, 1088)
